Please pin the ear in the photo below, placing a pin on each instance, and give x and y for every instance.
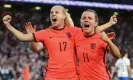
(96, 24)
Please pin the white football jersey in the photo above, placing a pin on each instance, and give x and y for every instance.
(122, 65)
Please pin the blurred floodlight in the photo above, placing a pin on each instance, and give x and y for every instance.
(7, 5)
(37, 8)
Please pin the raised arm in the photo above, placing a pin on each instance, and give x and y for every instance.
(21, 36)
(111, 46)
(113, 20)
(35, 46)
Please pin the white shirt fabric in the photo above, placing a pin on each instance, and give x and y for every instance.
(122, 65)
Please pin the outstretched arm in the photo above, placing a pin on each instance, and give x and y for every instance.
(113, 20)
(35, 46)
(21, 36)
(111, 46)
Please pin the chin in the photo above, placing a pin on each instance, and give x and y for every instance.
(54, 25)
(87, 31)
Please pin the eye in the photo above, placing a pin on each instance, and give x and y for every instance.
(56, 12)
(89, 18)
(84, 18)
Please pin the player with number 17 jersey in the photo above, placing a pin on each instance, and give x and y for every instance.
(60, 45)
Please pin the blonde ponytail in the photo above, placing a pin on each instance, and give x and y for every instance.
(68, 19)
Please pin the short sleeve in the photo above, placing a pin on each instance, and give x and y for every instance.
(116, 64)
(128, 62)
(40, 36)
(76, 31)
(104, 45)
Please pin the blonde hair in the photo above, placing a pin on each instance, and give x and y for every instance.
(68, 19)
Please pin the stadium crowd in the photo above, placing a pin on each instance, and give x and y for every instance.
(16, 56)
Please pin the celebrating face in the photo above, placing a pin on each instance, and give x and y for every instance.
(57, 16)
(88, 21)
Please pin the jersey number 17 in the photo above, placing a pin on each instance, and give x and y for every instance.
(63, 46)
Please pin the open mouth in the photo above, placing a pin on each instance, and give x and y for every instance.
(87, 26)
(54, 20)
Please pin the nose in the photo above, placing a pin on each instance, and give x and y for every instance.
(86, 21)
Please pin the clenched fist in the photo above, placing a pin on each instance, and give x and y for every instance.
(7, 19)
(113, 19)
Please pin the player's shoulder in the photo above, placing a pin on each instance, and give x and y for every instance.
(77, 29)
(123, 60)
(97, 38)
(126, 59)
(41, 30)
(96, 35)
(74, 28)
(79, 35)
(119, 60)
(44, 31)
(47, 29)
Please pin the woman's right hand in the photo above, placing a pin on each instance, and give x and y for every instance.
(6, 20)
